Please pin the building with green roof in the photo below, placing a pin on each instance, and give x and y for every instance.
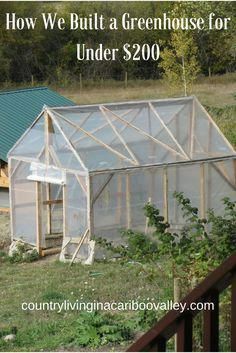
(18, 110)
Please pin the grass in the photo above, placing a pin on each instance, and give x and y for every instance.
(45, 281)
(216, 91)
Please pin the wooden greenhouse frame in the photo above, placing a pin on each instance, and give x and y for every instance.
(92, 150)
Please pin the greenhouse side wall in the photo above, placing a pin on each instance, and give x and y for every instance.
(120, 196)
(23, 202)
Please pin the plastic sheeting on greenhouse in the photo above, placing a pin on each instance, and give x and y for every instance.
(89, 170)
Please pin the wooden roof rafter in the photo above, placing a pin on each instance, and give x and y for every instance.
(120, 155)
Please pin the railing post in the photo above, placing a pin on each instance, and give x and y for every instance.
(185, 334)
(233, 315)
(159, 345)
(211, 324)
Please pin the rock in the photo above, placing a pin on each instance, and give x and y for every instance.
(9, 338)
(14, 247)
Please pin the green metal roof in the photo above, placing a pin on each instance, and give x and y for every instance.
(18, 110)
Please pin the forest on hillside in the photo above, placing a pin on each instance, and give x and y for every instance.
(50, 55)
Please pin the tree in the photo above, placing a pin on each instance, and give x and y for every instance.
(179, 61)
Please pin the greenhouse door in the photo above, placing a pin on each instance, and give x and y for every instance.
(52, 215)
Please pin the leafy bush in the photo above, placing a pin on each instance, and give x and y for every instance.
(202, 243)
(96, 329)
(23, 254)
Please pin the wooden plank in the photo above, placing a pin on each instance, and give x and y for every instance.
(192, 129)
(64, 206)
(4, 182)
(90, 208)
(165, 194)
(83, 187)
(168, 131)
(233, 315)
(128, 197)
(215, 125)
(202, 191)
(73, 150)
(131, 153)
(38, 217)
(166, 327)
(50, 251)
(99, 128)
(211, 324)
(142, 132)
(95, 139)
(185, 334)
(79, 246)
(52, 202)
(119, 198)
(100, 190)
(5, 209)
(25, 133)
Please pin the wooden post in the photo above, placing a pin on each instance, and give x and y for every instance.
(165, 193)
(32, 80)
(211, 325)
(48, 131)
(49, 215)
(11, 198)
(128, 211)
(39, 217)
(185, 334)
(234, 166)
(90, 208)
(192, 128)
(126, 79)
(64, 211)
(177, 297)
(202, 191)
(233, 315)
(119, 197)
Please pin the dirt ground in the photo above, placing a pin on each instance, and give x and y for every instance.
(5, 232)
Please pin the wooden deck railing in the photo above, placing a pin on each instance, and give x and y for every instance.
(175, 322)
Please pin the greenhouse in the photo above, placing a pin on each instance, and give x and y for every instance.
(80, 172)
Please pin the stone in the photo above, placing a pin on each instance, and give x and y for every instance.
(10, 337)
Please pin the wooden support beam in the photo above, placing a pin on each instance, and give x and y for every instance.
(79, 246)
(119, 198)
(215, 125)
(90, 207)
(100, 190)
(142, 132)
(128, 197)
(202, 191)
(211, 325)
(185, 334)
(64, 205)
(192, 130)
(52, 202)
(233, 315)
(5, 209)
(38, 217)
(98, 128)
(4, 182)
(128, 149)
(100, 142)
(50, 251)
(165, 194)
(81, 183)
(168, 131)
(72, 148)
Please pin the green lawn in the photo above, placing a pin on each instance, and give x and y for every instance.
(46, 280)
